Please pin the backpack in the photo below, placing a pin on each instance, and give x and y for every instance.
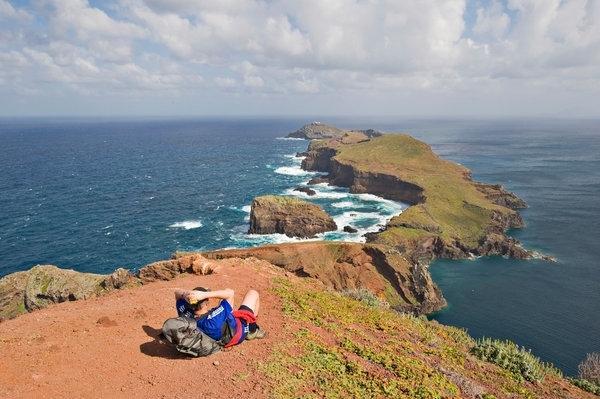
(188, 338)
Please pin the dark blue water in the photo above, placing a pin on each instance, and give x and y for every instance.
(94, 195)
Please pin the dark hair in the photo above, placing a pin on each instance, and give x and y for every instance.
(200, 303)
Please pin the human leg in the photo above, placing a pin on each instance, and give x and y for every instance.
(252, 300)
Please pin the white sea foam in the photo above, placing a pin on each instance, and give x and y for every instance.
(318, 194)
(247, 240)
(343, 204)
(294, 158)
(289, 138)
(293, 171)
(245, 208)
(187, 224)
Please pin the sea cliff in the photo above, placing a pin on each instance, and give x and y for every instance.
(450, 216)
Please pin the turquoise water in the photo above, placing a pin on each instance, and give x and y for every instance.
(94, 195)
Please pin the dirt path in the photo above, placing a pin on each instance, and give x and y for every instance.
(107, 347)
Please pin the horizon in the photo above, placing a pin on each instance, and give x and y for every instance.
(460, 58)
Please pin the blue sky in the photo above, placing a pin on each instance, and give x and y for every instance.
(283, 57)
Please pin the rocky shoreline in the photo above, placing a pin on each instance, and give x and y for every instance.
(451, 216)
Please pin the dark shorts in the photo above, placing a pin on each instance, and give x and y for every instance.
(245, 329)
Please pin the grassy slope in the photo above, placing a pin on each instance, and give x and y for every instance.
(343, 347)
(454, 208)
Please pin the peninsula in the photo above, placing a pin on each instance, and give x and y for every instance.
(344, 315)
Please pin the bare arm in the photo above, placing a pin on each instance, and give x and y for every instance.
(197, 296)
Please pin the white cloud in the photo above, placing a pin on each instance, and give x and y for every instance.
(316, 48)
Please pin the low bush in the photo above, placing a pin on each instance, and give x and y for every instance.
(365, 296)
(586, 385)
(510, 356)
(589, 368)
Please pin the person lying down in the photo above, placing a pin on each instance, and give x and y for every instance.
(221, 321)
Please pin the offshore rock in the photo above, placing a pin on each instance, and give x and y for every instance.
(306, 190)
(318, 130)
(288, 215)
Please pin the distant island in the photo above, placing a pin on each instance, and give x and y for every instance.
(359, 336)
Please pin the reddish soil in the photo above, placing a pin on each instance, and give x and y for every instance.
(109, 347)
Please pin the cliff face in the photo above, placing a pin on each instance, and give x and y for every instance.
(346, 266)
(288, 215)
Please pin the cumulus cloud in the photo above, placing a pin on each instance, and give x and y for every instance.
(302, 47)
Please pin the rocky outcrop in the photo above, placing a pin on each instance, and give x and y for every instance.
(169, 269)
(500, 196)
(318, 130)
(306, 190)
(44, 285)
(346, 266)
(288, 215)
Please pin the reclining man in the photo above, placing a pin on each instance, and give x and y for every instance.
(219, 321)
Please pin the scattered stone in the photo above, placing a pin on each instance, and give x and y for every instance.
(216, 363)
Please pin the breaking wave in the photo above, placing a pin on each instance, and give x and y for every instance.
(187, 225)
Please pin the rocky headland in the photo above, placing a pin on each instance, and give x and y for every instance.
(451, 215)
(288, 215)
(327, 303)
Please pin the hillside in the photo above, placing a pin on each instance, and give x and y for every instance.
(320, 343)
(451, 215)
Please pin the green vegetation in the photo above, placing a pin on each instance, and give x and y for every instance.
(453, 208)
(586, 385)
(282, 199)
(365, 296)
(341, 347)
(589, 374)
(519, 361)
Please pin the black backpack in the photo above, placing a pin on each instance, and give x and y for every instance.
(189, 339)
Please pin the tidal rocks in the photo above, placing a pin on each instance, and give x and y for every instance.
(306, 190)
(350, 229)
(44, 285)
(288, 215)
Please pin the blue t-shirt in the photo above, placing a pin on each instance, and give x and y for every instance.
(212, 322)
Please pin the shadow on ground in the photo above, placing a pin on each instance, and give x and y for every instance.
(159, 347)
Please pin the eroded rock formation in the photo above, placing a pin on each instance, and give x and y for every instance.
(288, 215)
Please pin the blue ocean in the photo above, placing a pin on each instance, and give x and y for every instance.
(97, 194)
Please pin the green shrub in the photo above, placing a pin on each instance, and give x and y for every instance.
(508, 355)
(365, 296)
(586, 385)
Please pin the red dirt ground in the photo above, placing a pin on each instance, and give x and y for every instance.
(107, 347)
